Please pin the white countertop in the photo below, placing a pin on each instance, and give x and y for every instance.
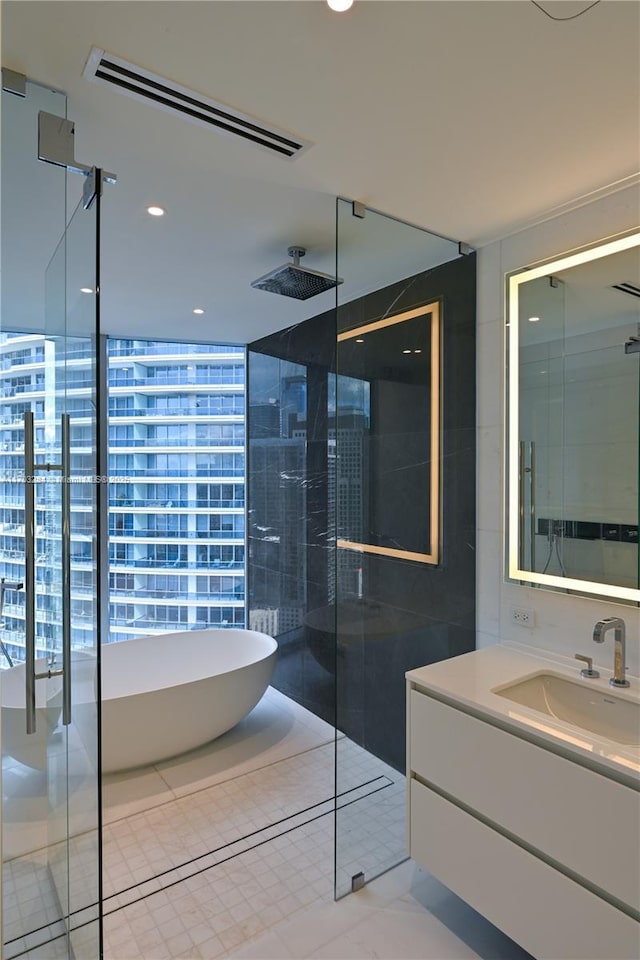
(470, 678)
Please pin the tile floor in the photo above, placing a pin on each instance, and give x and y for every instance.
(404, 914)
(247, 839)
(30, 900)
(229, 851)
(276, 729)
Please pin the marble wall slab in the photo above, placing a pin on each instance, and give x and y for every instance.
(350, 624)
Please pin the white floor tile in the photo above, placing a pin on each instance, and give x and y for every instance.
(277, 728)
(268, 947)
(384, 933)
(317, 925)
(392, 886)
(124, 794)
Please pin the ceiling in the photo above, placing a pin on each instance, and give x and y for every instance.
(468, 118)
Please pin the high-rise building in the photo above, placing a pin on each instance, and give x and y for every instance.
(176, 496)
(176, 433)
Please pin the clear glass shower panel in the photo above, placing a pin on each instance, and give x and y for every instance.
(74, 771)
(385, 426)
(48, 507)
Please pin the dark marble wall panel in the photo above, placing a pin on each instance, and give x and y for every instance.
(350, 625)
(413, 613)
(291, 544)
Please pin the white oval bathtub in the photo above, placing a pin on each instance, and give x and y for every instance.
(167, 694)
(30, 749)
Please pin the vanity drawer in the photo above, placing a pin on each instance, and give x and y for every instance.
(540, 908)
(577, 817)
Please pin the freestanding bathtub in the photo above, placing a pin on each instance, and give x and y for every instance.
(166, 694)
(29, 749)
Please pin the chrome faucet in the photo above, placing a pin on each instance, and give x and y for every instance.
(619, 665)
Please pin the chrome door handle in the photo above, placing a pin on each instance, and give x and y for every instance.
(521, 495)
(532, 504)
(527, 477)
(30, 468)
(66, 567)
(29, 573)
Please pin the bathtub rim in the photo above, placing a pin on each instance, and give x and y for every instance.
(109, 698)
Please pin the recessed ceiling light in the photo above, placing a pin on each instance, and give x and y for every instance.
(406, 351)
(156, 211)
(198, 310)
(340, 5)
(359, 340)
(533, 319)
(86, 290)
(417, 351)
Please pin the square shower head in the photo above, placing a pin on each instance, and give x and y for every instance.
(292, 280)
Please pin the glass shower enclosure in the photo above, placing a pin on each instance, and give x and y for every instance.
(361, 520)
(49, 508)
(387, 447)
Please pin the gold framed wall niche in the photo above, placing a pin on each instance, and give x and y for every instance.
(392, 359)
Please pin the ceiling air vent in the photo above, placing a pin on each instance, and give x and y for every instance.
(625, 286)
(181, 101)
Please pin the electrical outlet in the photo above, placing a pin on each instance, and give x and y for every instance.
(523, 616)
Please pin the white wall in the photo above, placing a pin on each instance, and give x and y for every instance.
(562, 623)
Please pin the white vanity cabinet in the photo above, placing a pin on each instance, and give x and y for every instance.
(547, 848)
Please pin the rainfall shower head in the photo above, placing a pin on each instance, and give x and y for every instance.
(292, 280)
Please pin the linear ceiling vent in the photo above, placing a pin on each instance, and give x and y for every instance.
(181, 101)
(625, 286)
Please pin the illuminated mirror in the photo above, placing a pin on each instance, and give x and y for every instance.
(573, 333)
(388, 435)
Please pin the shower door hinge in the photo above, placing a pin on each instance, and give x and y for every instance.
(13, 82)
(92, 187)
(358, 210)
(56, 145)
(464, 249)
(357, 881)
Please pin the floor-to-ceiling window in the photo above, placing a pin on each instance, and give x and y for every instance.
(176, 491)
(27, 385)
(176, 504)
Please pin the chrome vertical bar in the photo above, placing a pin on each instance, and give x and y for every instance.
(521, 489)
(101, 499)
(65, 438)
(532, 504)
(29, 572)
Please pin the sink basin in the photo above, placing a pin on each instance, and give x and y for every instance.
(596, 710)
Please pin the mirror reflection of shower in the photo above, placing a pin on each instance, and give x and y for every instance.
(578, 421)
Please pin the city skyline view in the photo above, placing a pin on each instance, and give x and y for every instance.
(175, 485)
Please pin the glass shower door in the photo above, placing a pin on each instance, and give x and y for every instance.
(395, 607)
(66, 578)
(50, 691)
